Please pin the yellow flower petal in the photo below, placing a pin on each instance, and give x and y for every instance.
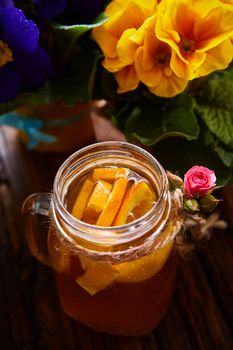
(191, 29)
(113, 64)
(217, 58)
(189, 70)
(228, 2)
(150, 44)
(148, 77)
(169, 86)
(139, 35)
(127, 79)
(126, 48)
(118, 5)
(131, 17)
(214, 29)
(168, 71)
(106, 40)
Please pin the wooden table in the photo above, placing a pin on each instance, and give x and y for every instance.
(200, 315)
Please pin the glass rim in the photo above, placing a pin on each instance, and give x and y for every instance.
(100, 234)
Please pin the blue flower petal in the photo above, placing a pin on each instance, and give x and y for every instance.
(9, 83)
(21, 34)
(34, 69)
(6, 3)
(50, 8)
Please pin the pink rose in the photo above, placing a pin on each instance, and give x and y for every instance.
(198, 181)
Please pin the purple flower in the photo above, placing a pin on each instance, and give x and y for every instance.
(23, 63)
(6, 3)
(50, 8)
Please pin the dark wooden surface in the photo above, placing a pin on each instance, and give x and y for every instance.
(200, 315)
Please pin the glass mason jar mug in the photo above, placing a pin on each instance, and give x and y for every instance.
(117, 279)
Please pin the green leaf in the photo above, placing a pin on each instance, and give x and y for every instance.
(66, 37)
(221, 150)
(226, 157)
(119, 116)
(228, 73)
(76, 81)
(174, 181)
(208, 203)
(215, 106)
(179, 155)
(191, 205)
(76, 30)
(149, 123)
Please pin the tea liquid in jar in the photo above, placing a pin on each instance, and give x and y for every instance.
(126, 295)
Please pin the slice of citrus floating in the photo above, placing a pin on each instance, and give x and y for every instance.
(99, 196)
(143, 268)
(108, 198)
(99, 275)
(109, 174)
(139, 193)
(113, 202)
(81, 201)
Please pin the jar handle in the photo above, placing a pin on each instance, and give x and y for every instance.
(35, 208)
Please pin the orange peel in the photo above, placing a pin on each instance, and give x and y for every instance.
(97, 276)
(81, 201)
(100, 275)
(139, 192)
(113, 202)
(144, 268)
(109, 174)
(99, 196)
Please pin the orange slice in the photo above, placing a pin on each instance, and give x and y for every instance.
(100, 275)
(82, 198)
(139, 192)
(144, 268)
(99, 196)
(109, 174)
(113, 202)
(97, 276)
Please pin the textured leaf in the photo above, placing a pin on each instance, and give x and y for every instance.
(150, 123)
(215, 106)
(77, 80)
(179, 155)
(224, 152)
(226, 157)
(77, 30)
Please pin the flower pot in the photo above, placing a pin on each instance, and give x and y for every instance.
(71, 127)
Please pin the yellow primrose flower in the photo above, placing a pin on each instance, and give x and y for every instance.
(113, 37)
(228, 2)
(199, 34)
(152, 62)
